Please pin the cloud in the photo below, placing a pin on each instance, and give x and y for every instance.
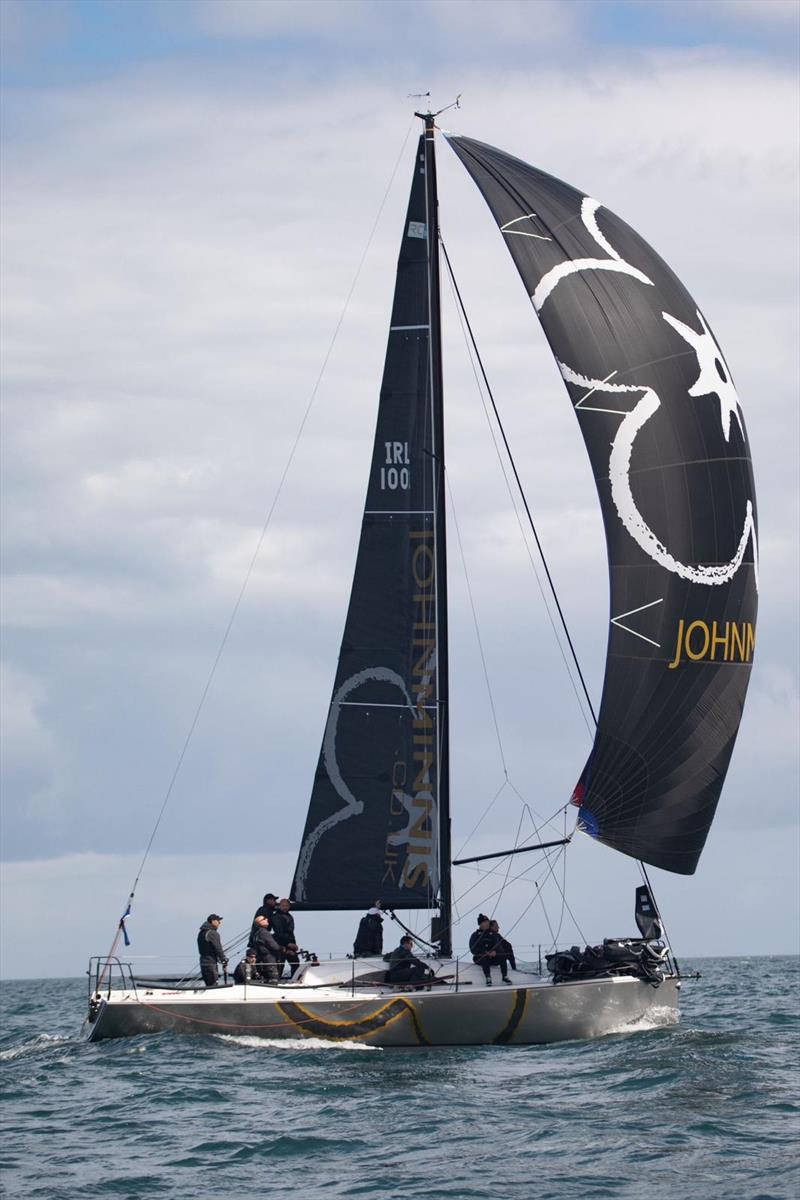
(768, 750)
(448, 24)
(457, 31)
(28, 28)
(242, 19)
(26, 741)
(178, 246)
(779, 14)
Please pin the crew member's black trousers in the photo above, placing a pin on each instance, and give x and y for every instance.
(268, 967)
(408, 973)
(290, 957)
(208, 969)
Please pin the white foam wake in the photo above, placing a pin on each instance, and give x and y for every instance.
(42, 1041)
(259, 1043)
(659, 1017)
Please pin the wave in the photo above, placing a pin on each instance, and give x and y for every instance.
(259, 1043)
(42, 1041)
(660, 1017)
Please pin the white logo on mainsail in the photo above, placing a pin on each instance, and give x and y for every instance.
(352, 806)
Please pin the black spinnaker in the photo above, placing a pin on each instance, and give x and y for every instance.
(372, 830)
(666, 438)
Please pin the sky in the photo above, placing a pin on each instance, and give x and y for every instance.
(188, 188)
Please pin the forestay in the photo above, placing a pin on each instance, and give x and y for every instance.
(664, 430)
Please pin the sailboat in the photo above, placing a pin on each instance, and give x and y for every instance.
(656, 405)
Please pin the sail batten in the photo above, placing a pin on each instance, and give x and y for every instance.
(662, 423)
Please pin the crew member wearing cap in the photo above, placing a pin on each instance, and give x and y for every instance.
(209, 946)
(369, 939)
(246, 970)
(268, 906)
(483, 947)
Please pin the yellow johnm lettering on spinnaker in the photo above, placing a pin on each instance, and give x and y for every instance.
(726, 641)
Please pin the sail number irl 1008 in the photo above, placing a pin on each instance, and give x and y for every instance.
(395, 474)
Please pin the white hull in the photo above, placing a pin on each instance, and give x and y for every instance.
(529, 1011)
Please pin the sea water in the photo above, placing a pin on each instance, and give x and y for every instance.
(708, 1108)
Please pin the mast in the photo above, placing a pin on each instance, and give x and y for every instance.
(443, 930)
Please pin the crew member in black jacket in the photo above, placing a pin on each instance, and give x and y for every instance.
(369, 939)
(267, 906)
(265, 909)
(209, 947)
(246, 970)
(505, 951)
(483, 947)
(404, 967)
(283, 931)
(268, 952)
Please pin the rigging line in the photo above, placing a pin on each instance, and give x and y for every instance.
(540, 897)
(514, 879)
(536, 895)
(483, 876)
(537, 827)
(521, 489)
(237, 942)
(563, 883)
(516, 513)
(522, 848)
(485, 872)
(477, 628)
(549, 872)
(482, 818)
(522, 876)
(272, 508)
(537, 883)
(534, 815)
(508, 864)
(513, 500)
(569, 910)
(417, 938)
(546, 821)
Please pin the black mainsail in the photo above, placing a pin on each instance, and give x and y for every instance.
(666, 438)
(377, 825)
